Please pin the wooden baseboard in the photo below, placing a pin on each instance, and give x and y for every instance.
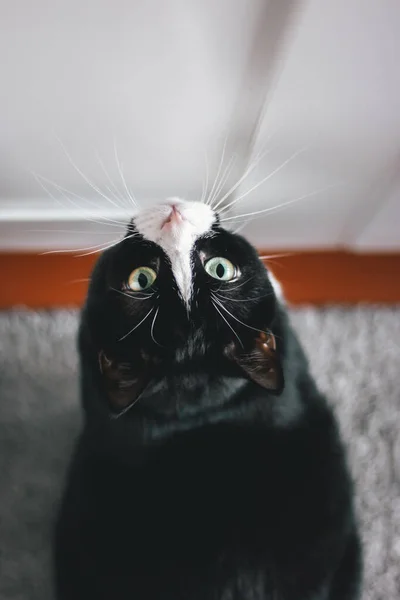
(325, 277)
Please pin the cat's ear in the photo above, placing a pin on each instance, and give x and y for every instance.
(261, 363)
(122, 382)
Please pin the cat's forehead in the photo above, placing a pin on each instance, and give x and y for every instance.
(175, 226)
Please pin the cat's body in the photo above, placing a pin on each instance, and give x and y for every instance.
(196, 477)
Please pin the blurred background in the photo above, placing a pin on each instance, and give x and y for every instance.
(290, 108)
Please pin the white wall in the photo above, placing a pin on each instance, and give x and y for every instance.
(169, 80)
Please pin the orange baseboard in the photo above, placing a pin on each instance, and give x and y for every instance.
(325, 277)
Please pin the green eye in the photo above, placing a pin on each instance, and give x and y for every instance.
(141, 278)
(220, 268)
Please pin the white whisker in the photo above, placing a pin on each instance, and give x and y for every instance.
(116, 193)
(136, 326)
(236, 319)
(265, 179)
(240, 285)
(245, 300)
(205, 182)
(247, 172)
(88, 231)
(279, 206)
(242, 226)
(83, 280)
(120, 170)
(85, 178)
(100, 220)
(269, 256)
(223, 179)
(93, 249)
(152, 327)
(218, 172)
(227, 322)
(126, 409)
(131, 296)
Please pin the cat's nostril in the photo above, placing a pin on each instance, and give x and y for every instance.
(175, 216)
(176, 213)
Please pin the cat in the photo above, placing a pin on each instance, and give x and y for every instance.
(209, 467)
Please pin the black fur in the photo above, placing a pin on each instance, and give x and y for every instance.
(209, 486)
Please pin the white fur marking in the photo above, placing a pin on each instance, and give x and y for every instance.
(176, 230)
(276, 286)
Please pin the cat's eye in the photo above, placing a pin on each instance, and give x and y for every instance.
(141, 279)
(220, 268)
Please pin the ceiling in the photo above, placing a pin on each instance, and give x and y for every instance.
(98, 97)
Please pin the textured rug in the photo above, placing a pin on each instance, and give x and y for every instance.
(355, 356)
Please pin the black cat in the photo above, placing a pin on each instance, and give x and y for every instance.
(210, 466)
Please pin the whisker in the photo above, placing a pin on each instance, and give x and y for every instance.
(279, 206)
(242, 226)
(136, 326)
(107, 246)
(247, 172)
(39, 179)
(227, 322)
(152, 327)
(245, 300)
(276, 263)
(101, 220)
(120, 170)
(240, 285)
(84, 177)
(218, 171)
(130, 296)
(95, 248)
(113, 190)
(205, 183)
(236, 319)
(224, 179)
(268, 256)
(126, 409)
(90, 232)
(73, 281)
(250, 168)
(265, 179)
(133, 295)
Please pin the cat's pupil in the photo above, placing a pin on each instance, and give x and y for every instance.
(142, 280)
(220, 270)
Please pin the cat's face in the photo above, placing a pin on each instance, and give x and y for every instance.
(181, 289)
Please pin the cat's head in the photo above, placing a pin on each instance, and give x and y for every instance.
(180, 291)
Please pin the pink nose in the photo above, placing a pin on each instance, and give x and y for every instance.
(174, 216)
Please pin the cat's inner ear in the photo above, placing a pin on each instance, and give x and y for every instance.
(260, 363)
(123, 382)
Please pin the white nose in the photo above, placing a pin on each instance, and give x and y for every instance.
(175, 226)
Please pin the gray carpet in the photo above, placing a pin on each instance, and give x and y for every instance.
(354, 355)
